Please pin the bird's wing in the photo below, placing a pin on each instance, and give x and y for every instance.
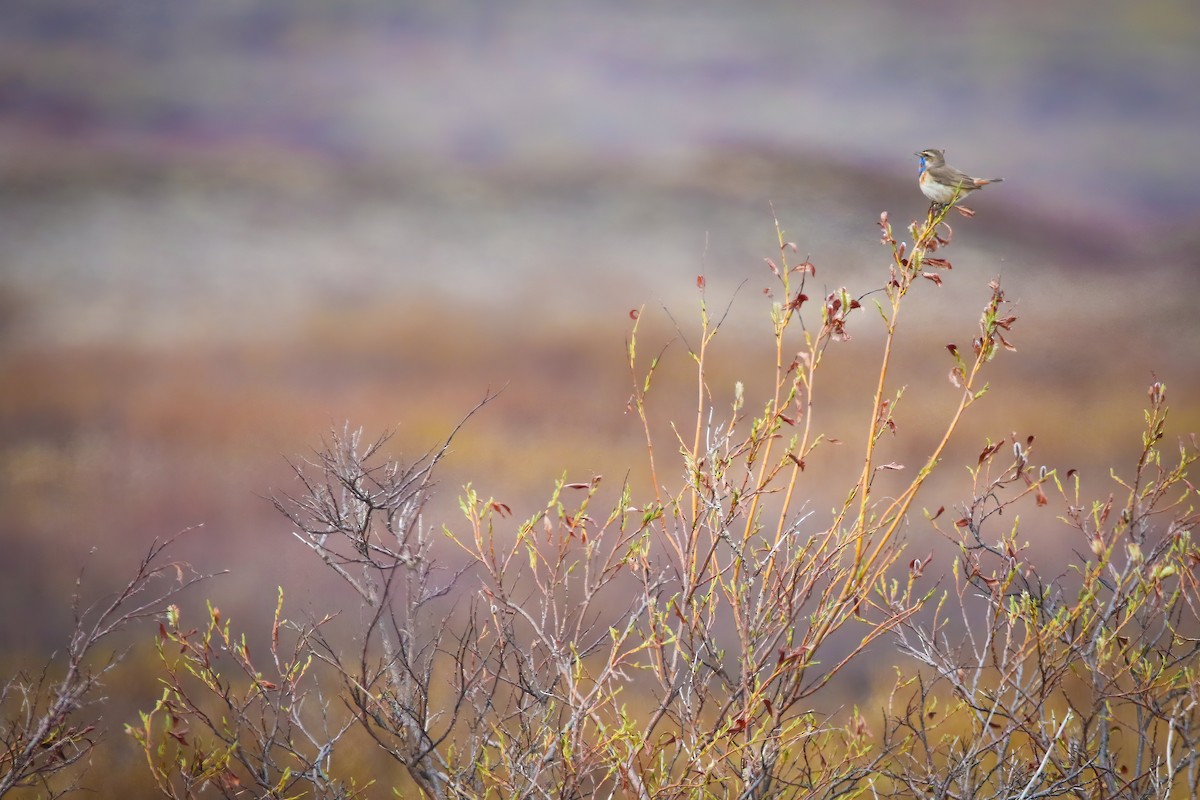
(952, 177)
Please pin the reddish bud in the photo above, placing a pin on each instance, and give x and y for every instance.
(1156, 392)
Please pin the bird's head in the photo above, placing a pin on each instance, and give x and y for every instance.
(931, 158)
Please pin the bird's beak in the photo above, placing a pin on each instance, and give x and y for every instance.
(918, 155)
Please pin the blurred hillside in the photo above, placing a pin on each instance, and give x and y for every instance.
(224, 229)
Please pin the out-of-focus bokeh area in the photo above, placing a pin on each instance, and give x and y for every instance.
(227, 226)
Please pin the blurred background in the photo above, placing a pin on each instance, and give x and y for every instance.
(226, 227)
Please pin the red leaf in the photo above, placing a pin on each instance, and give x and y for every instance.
(962, 523)
(500, 508)
(932, 276)
(799, 462)
(771, 264)
(953, 348)
(634, 313)
(789, 654)
(990, 451)
(937, 513)
(699, 281)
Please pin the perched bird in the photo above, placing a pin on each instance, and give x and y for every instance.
(941, 183)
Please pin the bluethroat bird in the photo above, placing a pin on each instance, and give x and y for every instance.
(943, 184)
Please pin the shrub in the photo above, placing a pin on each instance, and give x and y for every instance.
(687, 640)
